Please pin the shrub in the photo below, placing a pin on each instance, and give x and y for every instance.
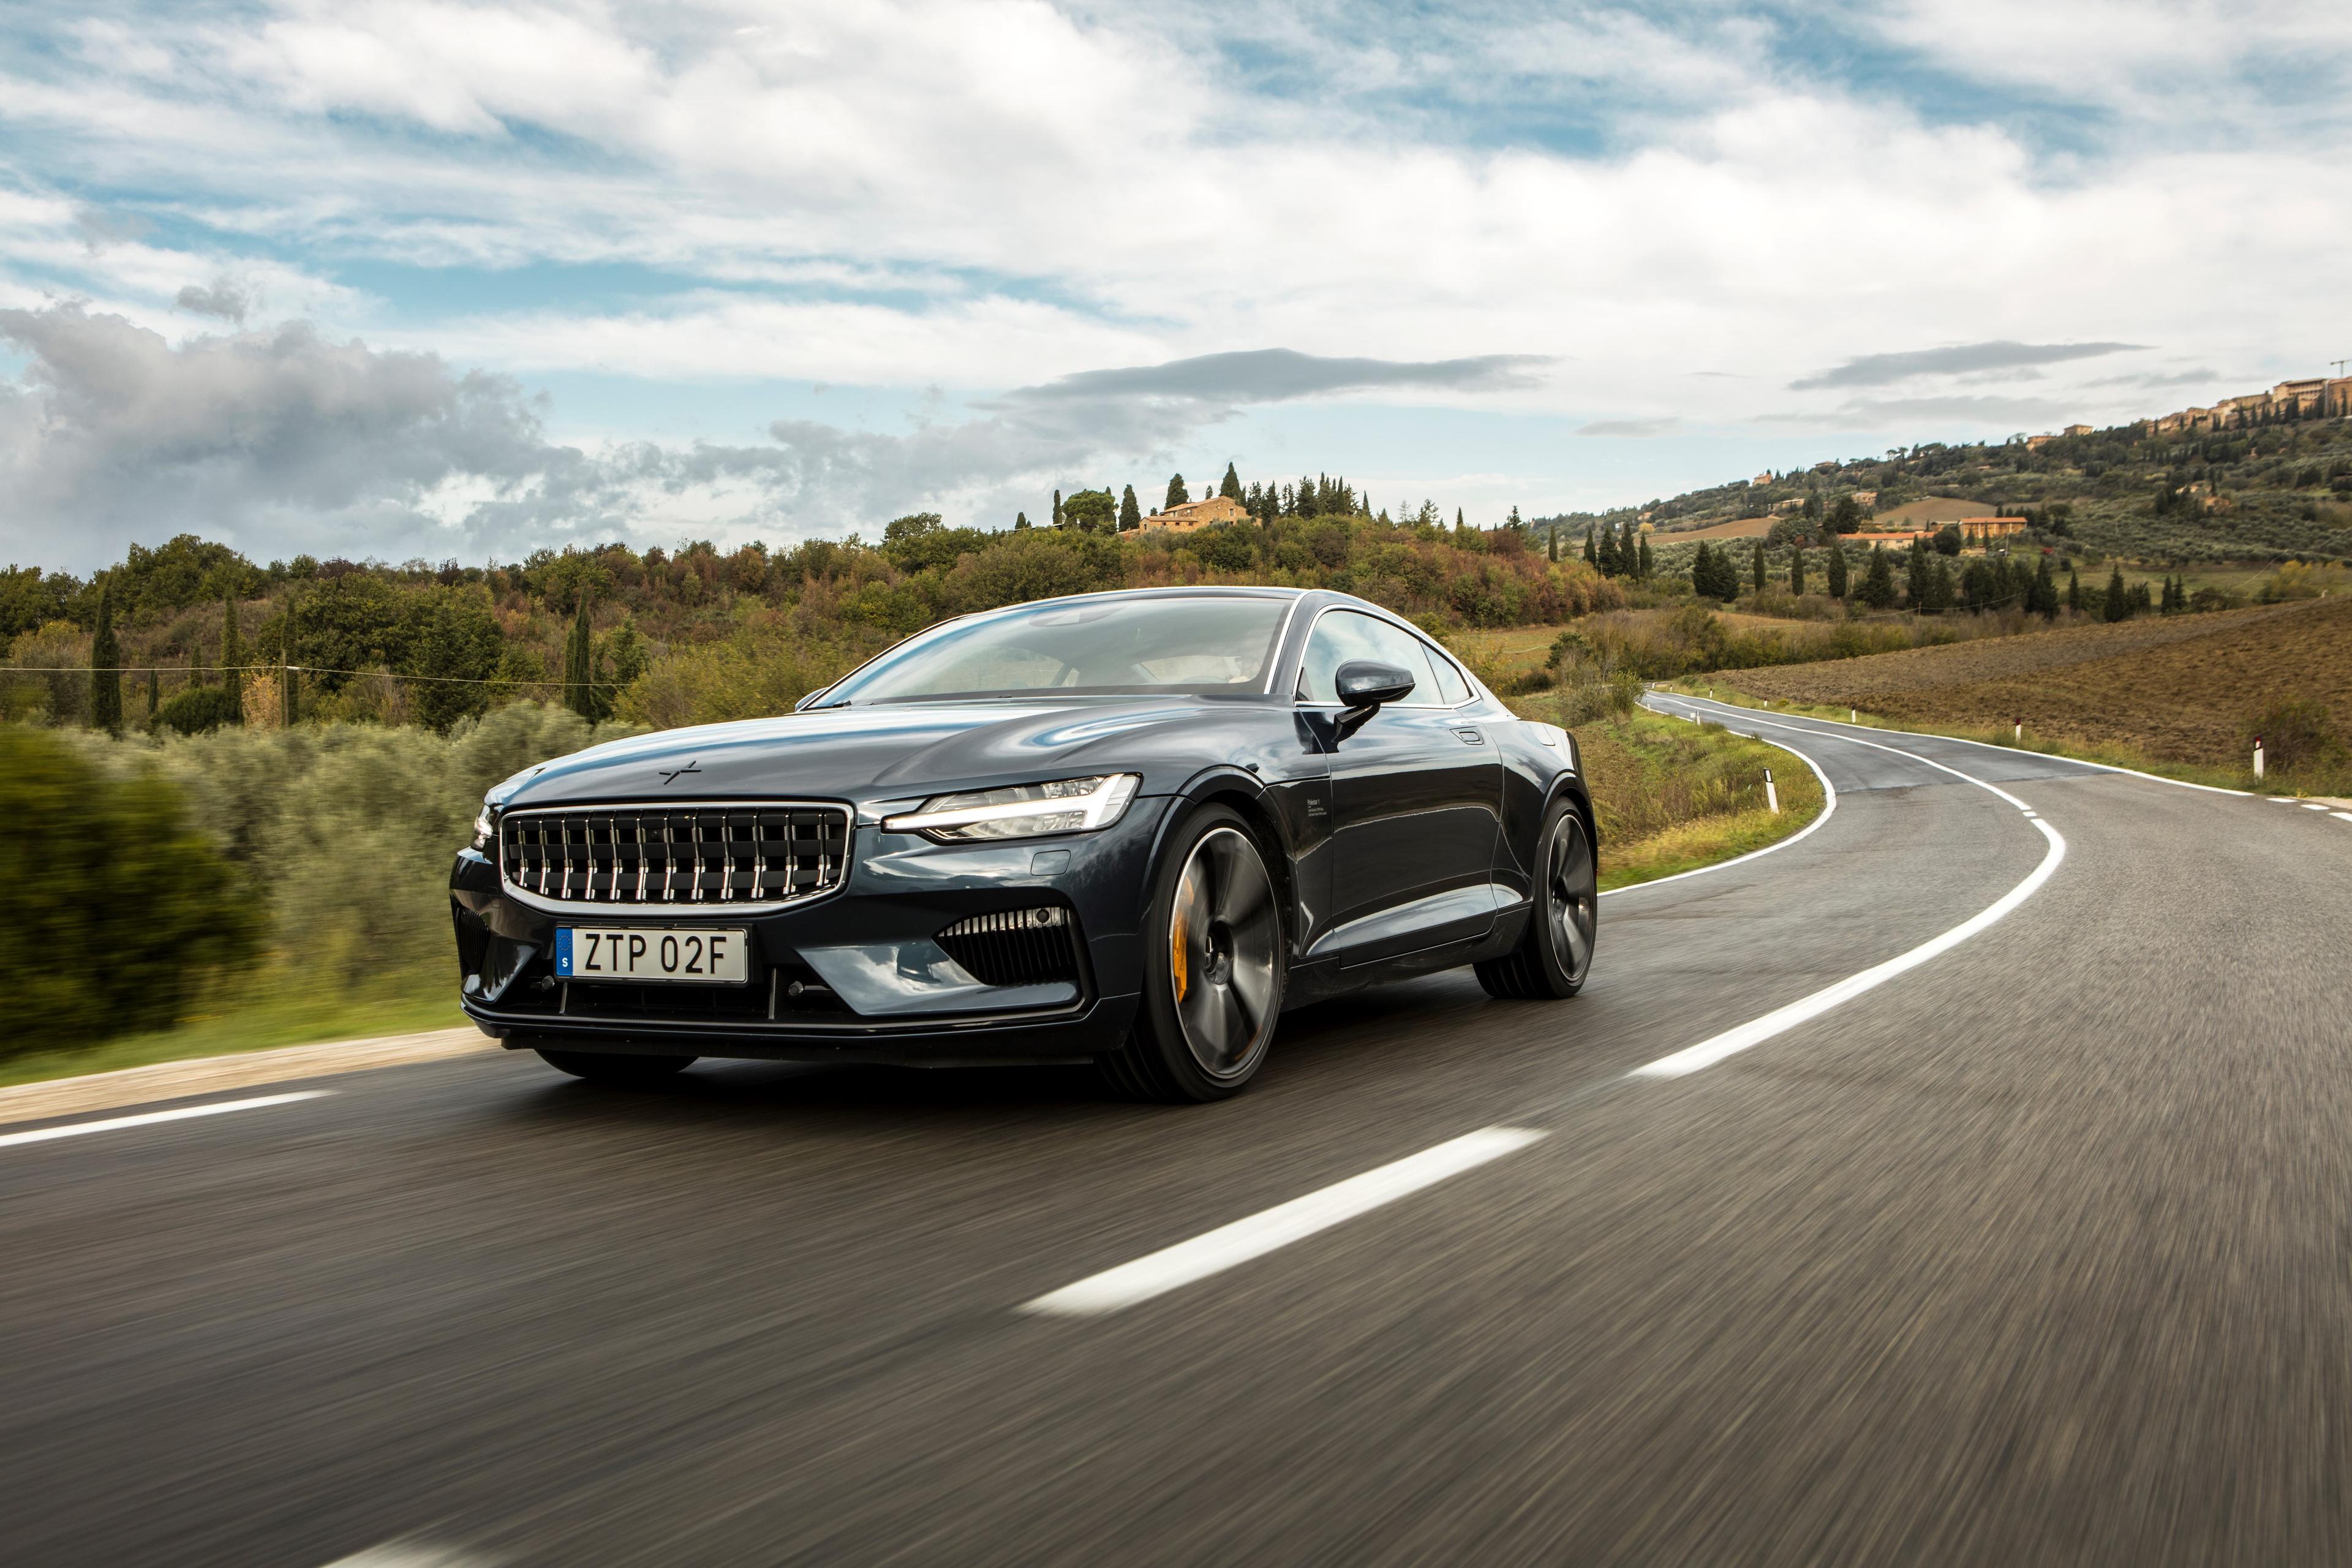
(197, 709)
(119, 911)
(2295, 732)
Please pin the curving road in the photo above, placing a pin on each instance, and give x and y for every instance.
(2036, 1246)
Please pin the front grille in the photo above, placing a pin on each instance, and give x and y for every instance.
(1015, 947)
(656, 855)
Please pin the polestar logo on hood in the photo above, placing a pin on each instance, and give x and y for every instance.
(671, 775)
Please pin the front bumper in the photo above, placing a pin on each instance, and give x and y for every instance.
(856, 974)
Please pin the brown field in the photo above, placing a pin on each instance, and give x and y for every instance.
(1737, 528)
(2179, 690)
(1933, 509)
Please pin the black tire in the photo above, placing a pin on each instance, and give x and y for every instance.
(1215, 955)
(615, 1069)
(1556, 954)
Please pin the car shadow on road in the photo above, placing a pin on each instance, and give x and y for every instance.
(1365, 1032)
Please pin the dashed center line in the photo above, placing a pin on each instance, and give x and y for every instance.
(1220, 1250)
(149, 1119)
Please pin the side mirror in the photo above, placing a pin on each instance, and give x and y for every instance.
(1364, 685)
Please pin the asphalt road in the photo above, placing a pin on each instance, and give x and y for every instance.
(2036, 1251)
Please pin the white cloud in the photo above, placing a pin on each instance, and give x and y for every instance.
(994, 194)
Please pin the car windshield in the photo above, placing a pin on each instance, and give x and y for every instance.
(1100, 647)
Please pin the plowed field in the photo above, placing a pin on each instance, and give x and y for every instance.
(2181, 689)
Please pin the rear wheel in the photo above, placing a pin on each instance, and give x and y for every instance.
(1554, 956)
(1214, 968)
(620, 1070)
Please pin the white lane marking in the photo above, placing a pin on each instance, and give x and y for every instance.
(2312, 806)
(1829, 807)
(410, 1554)
(1991, 746)
(1220, 1250)
(149, 1119)
(1708, 1052)
(2344, 816)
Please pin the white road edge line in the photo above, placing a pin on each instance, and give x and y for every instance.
(1829, 808)
(1987, 745)
(149, 1119)
(1731, 1042)
(1220, 1250)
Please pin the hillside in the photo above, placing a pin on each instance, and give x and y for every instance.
(2269, 492)
(2182, 689)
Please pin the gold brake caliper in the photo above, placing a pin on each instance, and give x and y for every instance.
(1179, 968)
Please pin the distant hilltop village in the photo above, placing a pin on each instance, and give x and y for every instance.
(2321, 397)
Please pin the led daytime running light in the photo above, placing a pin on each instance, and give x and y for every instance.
(1021, 811)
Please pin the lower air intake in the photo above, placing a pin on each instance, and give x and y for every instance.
(1016, 947)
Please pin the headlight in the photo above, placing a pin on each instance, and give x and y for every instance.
(484, 827)
(1021, 811)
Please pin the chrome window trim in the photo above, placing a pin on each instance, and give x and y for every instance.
(664, 914)
(1373, 611)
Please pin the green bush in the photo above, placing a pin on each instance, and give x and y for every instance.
(197, 709)
(119, 911)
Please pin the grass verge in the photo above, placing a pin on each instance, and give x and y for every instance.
(290, 1014)
(1672, 796)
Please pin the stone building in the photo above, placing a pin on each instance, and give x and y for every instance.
(1199, 513)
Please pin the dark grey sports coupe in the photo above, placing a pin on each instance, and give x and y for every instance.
(1127, 828)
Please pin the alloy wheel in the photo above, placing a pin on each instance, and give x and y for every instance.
(1222, 937)
(1574, 904)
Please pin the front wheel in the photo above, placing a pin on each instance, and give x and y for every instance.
(616, 1068)
(1213, 965)
(1554, 956)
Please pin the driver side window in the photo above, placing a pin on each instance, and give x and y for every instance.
(1342, 636)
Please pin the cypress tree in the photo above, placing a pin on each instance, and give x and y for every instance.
(2074, 590)
(1647, 563)
(106, 673)
(1758, 568)
(1057, 509)
(579, 652)
(1797, 570)
(1230, 487)
(232, 660)
(1551, 544)
(290, 679)
(1460, 529)
(2045, 592)
(1590, 558)
(2118, 606)
(1915, 584)
(1130, 516)
(1878, 584)
(1837, 570)
(1177, 494)
(1020, 521)
(1702, 573)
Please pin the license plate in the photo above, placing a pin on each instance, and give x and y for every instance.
(689, 956)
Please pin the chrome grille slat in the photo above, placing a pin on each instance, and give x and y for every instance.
(708, 853)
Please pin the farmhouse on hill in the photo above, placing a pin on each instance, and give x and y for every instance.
(1199, 513)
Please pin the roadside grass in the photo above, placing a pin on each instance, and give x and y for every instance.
(1672, 796)
(286, 1013)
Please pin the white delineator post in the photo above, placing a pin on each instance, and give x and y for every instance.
(2020, 732)
(2258, 756)
(1771, 796)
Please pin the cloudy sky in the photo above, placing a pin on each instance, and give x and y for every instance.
(418, 280)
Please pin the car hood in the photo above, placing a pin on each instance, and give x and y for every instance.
(887, 751)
